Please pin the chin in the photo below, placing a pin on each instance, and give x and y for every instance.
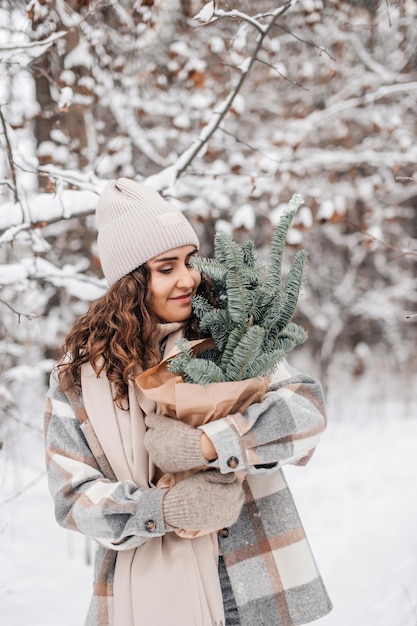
(170, 319)
(182, 318)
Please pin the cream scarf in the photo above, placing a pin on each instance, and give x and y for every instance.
(169, 580)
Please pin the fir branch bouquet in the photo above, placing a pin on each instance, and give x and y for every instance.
(251, 323)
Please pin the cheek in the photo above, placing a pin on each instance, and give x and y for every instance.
(197, 278)
(151, 287)
(156, 289)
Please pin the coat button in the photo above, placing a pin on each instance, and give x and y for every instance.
(223, 533)
(150, 525)
(233, 462)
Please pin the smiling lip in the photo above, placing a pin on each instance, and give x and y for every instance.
(185, 298)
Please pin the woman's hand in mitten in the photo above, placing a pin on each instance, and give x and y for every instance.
(206, 501)
(172, 445)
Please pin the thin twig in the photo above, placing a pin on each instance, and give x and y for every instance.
(308, 43)
(293, 82)
(401, 252)
(9, 156)
(29, 316)
(389, 12)
(26, 424)
(29, 485)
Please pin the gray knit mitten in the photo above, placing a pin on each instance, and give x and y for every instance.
(173, 445)
(207, 500)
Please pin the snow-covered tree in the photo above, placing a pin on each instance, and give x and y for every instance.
(228, 109)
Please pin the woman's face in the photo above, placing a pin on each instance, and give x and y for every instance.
(173, 283)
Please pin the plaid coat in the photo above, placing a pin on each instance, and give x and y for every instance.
(269, 562)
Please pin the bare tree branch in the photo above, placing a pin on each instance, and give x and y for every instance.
(401, 252)
(128, 122)
(276, 70)
(307, 42)
(29, 316)
(23, 490)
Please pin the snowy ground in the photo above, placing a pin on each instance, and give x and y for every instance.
(357, 501)
(356, 498)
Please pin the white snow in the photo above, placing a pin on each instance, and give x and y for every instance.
(356, 498)
(66, 98)
(46, 206)
(71, 277)
(217, 44)
(206, 13)
(44, 580)
(244, 217)
(357, 502)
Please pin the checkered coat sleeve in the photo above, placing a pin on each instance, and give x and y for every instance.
(271, 568)
(89, 499)
(87, 496)
(284, 427)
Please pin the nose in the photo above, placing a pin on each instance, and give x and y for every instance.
(186, 277)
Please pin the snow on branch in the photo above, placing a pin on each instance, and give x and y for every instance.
(317, 117)
(26, 212)
(46, 208)
(255, 20)
(206, 14)
(22, 51)
(128, 123)
(307, 159)
(77, 284)
(368, 60)
(31, 49)
(209, 14)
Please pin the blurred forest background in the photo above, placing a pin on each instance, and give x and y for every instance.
(228, 108)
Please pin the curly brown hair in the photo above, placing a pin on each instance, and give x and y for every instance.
(117, 333)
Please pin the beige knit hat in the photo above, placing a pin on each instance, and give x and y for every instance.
(134, 225)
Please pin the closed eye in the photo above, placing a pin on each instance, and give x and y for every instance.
(190, 257)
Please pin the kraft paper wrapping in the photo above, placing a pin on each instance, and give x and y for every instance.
(196, 404)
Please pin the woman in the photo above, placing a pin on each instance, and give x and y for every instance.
(106, 448)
